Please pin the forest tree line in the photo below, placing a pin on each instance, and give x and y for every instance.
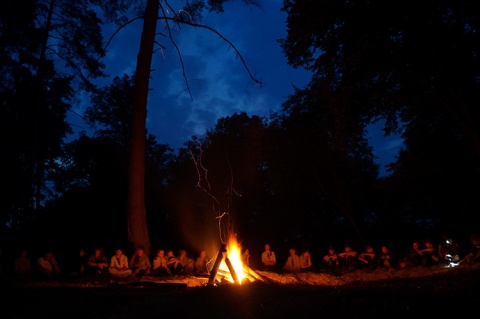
(304, 175)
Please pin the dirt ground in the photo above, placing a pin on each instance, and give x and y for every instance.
(407, 293)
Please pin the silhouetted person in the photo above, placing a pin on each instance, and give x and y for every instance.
(413, 258)
(23, 266)
(119, 265)
(160, 267)
(268, 258)
(140, 263)
(367, 258)
(97, 263)
(348, 258)
(47, 267)
(305, 261)
(331, 262)
(386, 259)
(201, 264)
(292, 265)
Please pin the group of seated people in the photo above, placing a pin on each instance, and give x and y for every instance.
(166, 263)
(418, 254)
(118, 266)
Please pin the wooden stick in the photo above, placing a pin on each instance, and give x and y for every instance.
(213, 273)
(232, 270)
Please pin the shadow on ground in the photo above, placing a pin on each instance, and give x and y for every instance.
(448, 294)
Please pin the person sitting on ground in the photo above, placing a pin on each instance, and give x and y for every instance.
(413, 257)
(386, 259)
(47, 267)
(305, 261)
(366, 259)
(292, 265)
(23, 266)
(474, 253)
(188, 265)
(80, 263)
(348, 258)
(268, 258)
(140, 263)
(201, 264)
(429, 254)
(160, 267)
(173, 263)
(331, 261)
(448, 251)
(119, 265)
(97, 263)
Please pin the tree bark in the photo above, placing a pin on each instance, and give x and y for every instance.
(136, 211)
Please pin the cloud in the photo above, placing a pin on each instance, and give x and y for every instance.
(218, 81)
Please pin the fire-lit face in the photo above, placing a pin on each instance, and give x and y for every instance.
(203, 254)
(161, 253)
(118, 252)
(267, 247)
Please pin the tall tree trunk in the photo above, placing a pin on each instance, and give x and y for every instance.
(137, 217)
(37, 165)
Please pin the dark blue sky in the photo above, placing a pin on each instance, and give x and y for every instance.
(219, 83)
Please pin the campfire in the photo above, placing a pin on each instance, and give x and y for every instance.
(229, 266)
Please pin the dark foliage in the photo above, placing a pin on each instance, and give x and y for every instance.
(305, 177)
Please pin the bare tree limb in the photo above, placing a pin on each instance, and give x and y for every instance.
(118, 30)
(178, 20)
(178, 51)
(252, 77)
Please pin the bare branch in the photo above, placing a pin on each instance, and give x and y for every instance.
(205, 173)
(118, 30)
(252, 77)
(223, 215)
(179, 21)
(168, 5)
(176, 48)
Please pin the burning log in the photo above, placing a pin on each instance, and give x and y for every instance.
(213, 274)
(232, 270)
(252, 275)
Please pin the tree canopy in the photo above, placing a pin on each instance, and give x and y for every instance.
(305, 176)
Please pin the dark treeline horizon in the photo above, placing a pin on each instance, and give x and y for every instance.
(305, 176)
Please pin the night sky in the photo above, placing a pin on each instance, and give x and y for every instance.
(219, 83)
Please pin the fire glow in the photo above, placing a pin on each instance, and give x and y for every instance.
(232, 267)
(234, 255)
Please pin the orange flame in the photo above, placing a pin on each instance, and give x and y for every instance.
(234, 254)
